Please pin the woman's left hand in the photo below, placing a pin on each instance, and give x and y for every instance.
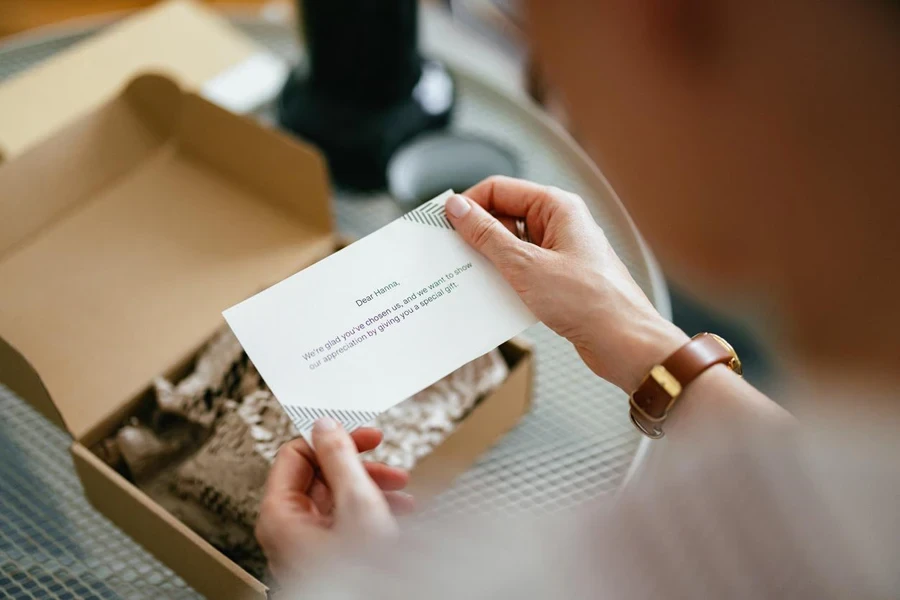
(316, 500)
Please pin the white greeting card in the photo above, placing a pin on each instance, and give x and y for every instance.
(371, 325)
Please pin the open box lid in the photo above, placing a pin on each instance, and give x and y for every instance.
(183, 38)
(124, 236)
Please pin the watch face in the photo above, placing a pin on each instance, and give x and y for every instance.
(735, 363)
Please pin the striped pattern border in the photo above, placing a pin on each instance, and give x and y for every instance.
(304, 417)
(430, 213)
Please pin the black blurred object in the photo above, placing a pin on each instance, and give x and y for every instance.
(435, 162)
(367, 90)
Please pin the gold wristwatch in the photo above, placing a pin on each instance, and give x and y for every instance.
(661, 388)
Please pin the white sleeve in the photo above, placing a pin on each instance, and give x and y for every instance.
(748, 522)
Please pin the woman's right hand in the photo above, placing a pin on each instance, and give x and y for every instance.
(569, 276)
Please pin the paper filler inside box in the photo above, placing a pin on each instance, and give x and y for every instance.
(122, 238)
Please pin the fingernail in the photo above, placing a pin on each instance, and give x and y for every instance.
(326, 424)
(457, 206)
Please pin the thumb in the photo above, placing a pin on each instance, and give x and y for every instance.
(359, 504)
(482, 230)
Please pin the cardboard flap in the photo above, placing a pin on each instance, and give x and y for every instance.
(51, 180)
(123, 237)
(21, 378)
(183, 38)
(289, 174)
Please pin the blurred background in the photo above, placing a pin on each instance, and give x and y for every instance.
(499, 23)
(20, 15)
(406, 98)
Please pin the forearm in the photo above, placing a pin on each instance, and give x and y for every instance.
(720, 402)
(718, 410)
(717, 401)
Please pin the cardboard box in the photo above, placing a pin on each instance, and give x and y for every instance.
(122, 238)
(184, 39)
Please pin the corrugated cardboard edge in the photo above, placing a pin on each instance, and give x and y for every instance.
(22, 378)
(95, 68)
(194, 559)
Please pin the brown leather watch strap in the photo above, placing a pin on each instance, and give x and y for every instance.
(654, 398)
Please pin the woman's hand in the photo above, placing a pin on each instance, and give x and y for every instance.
(569, 277)
(316, 500)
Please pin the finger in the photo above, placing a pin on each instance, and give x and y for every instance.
(293, 469)
(509, 196)
(296, 464)
(509, 223)
(400, 503)
(356, 497)
(387, 478)
(321, 496)
(366, 438)
(484, 232)
(526, 200)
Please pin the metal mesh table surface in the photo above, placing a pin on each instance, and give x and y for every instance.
(576, 443)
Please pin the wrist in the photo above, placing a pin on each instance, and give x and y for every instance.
(634, 352)
(647, 347)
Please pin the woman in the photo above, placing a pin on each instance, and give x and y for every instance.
(755, 145)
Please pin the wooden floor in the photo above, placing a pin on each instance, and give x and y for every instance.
(19, 15)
